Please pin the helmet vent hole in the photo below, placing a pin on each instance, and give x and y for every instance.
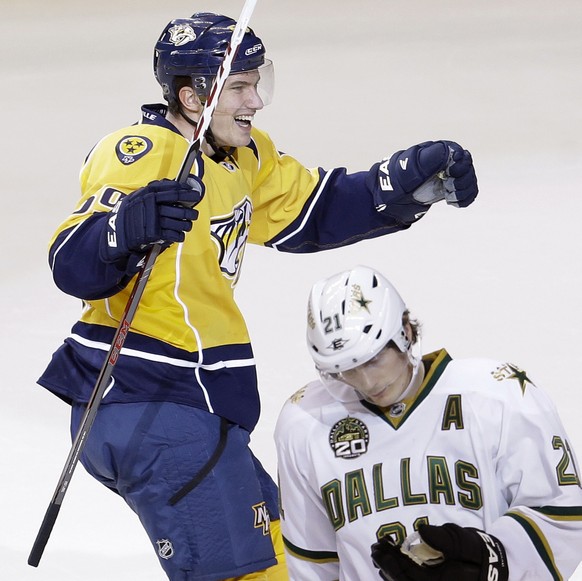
(315, 348)
(379, 333)
(367, 328)
(374, 282)
(343, 307)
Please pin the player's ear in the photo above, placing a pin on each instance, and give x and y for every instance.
(189, 100)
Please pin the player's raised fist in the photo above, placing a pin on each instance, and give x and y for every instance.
(413, 179)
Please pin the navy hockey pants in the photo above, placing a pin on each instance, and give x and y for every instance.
(147, 452)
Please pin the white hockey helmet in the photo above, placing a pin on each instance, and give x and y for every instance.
(351, 317)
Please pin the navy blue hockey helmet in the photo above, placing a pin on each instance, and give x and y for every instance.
(195, 47)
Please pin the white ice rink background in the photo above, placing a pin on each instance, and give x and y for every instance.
(355, 81)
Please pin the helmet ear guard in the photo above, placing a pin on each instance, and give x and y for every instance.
(351, 317)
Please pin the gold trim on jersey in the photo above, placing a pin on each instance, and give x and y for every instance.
(539, 541)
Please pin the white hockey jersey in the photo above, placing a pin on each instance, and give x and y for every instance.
(479, 444)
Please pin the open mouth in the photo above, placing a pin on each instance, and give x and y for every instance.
(245, 121)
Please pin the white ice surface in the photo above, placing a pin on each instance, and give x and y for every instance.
(355, 82)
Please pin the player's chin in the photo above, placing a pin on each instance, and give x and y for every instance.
(385, 397)
(241, 137)
(379, 398)
(243, 127)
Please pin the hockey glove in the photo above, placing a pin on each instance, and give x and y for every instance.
(160, 212)
(411, 180)
(444, 553)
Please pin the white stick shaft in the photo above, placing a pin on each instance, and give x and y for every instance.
(217, 86)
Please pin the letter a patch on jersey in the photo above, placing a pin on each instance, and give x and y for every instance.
(131, 148)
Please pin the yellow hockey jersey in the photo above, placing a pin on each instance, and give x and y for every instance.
(188, 341)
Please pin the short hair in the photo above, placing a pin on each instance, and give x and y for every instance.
(414, 326)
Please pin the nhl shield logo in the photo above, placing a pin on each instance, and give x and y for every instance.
(349, 438)
(165, 548)
(131, 148)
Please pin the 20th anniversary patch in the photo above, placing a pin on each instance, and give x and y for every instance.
(349, 438)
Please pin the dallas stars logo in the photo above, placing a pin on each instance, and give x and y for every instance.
(363, 303)
(520, 375)
(359, 302)
(511, 371)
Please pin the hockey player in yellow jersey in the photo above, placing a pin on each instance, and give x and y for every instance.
(174, 423)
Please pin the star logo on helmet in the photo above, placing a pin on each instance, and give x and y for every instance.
(358, 301)
(338, 344)
(361, 302)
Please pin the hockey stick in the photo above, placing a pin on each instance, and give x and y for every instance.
(135, 296)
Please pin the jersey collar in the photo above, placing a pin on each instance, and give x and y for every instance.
(396, 414)
(155, 114)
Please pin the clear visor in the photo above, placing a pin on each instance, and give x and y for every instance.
(265, 85)
(381, 380)
(385, 363)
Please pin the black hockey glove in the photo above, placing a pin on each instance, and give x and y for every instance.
(453, 553)
(160, 212)
(405, 185)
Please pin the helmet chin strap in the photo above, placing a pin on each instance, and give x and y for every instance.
(220, 153)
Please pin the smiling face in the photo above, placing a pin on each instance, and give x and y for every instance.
(383, 379)
(238, 102)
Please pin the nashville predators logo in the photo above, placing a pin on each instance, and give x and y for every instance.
(131, 148)
(230, 234)
(262, 518)
(181, 34)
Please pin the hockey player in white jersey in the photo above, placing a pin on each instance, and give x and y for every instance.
(428, 468)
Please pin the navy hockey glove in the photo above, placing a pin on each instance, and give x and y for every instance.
(406, 184)
(160, 212)
(453, 552)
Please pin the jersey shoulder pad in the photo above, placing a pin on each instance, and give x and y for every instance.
(137, 153)
(304, 403)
